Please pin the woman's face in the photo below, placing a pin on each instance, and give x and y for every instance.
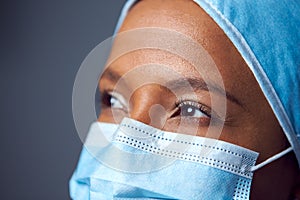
(249, 121)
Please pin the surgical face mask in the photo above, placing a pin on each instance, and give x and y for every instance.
(136, 161)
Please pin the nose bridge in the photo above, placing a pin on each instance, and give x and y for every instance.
(147, 105)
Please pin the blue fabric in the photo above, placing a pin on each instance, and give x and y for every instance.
(142, 162)
(106, 183)
(267, 35)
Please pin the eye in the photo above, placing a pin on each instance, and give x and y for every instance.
(193, 109)
(115, 103)
(114, 100)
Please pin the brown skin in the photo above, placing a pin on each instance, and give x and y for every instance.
(251, 124)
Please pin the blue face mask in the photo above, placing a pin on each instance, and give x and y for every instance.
(136, 161)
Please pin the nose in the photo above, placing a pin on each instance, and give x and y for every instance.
(148, 105)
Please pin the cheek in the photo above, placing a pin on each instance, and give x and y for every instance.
(109, 116)
(197, 127)
(276, 180)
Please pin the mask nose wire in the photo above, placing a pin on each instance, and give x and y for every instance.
(271, 159)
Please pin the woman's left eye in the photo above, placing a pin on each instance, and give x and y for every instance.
(193, 109)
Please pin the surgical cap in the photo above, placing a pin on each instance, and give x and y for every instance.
(267, 35)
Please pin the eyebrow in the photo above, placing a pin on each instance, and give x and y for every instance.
(111, 74)
(199, 84)
(196, 83)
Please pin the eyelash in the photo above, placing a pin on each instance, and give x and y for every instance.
(202, 108)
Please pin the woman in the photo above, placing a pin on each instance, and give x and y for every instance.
(233, 91)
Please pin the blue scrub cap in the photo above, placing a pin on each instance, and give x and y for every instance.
(267, 35)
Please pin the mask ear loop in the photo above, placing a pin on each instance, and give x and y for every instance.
(271, 159)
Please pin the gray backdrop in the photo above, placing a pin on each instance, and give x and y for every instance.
(42, 46)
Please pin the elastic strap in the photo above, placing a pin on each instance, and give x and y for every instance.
(271, 159)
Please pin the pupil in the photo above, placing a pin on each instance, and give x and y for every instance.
(188, 111)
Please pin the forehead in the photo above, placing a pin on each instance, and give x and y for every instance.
(189, 19)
